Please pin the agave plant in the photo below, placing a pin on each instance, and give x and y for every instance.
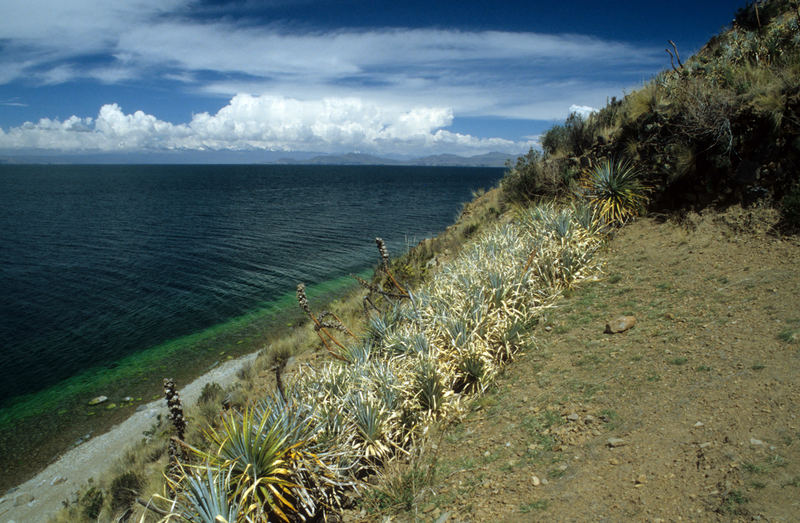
(205, 496)
(258, 458)
(429, 387)
(472, 372)
(615, 190)
(370, 419)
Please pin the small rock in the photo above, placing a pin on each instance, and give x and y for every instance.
(616, 442)
(23, 499)
(487, 454)
(613, 462)
(536, 481)
(548, 328)
(589, 419)
(98, 400)
(698, 424)
(756, 442)
(620, 324)
(443, 518)
(573, 417)
(705, 445)
(641, 479)
(57, 480)
(127, 399)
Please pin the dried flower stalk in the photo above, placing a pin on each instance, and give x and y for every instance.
(319, 328)
(385, 265)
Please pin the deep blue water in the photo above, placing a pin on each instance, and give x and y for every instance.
(98, 262)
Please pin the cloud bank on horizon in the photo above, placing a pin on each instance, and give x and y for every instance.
(282, 85)
(259, 122)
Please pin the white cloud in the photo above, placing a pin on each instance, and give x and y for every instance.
(582, 110)
(475, 73)
(261, 122)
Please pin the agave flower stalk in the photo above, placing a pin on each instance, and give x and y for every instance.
(176, 452)
(385, 265)
(336, 323)
(319, 328)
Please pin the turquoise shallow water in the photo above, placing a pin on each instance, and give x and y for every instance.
(113, 276)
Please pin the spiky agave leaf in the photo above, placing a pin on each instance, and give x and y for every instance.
(256, 455)
(369, 418)
(204, 496)
(357, 353)
(429, 387)
(472, 372)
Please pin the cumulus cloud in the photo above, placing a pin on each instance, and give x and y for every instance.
(250, 122)
(582, 110)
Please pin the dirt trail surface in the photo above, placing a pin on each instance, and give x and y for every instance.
(691, 415)
(41, 497)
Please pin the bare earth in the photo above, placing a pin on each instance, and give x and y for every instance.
(691, 415)
(41, 497)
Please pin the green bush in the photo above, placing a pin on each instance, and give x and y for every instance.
(533, 177)
(92, 503)
(211, 393)
(555, 139)
(524, 181)
(124, 490)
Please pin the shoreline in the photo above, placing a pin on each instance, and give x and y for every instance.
(90, 459)
(33, 443)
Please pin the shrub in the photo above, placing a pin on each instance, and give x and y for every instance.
(555, 139)
(211, 393)
(92, 503)
(580, 133)
(524, 181)
(533, 177)
(124, 490)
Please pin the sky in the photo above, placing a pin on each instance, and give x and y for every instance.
(399, 78)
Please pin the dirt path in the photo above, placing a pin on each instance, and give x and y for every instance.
(690, 415)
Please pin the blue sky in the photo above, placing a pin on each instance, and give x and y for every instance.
(388, 78)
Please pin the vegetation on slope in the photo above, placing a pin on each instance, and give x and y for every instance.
(723, 127)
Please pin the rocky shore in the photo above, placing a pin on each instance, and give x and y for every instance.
(42, 496)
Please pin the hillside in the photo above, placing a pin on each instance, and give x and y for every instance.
(688, 415)
(720, 128)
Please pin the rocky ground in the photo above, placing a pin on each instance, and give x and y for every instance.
(691, 415)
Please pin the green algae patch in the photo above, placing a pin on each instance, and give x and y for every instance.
(185, 358)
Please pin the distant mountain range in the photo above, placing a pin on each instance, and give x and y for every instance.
(440, 160)
(493, 159)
